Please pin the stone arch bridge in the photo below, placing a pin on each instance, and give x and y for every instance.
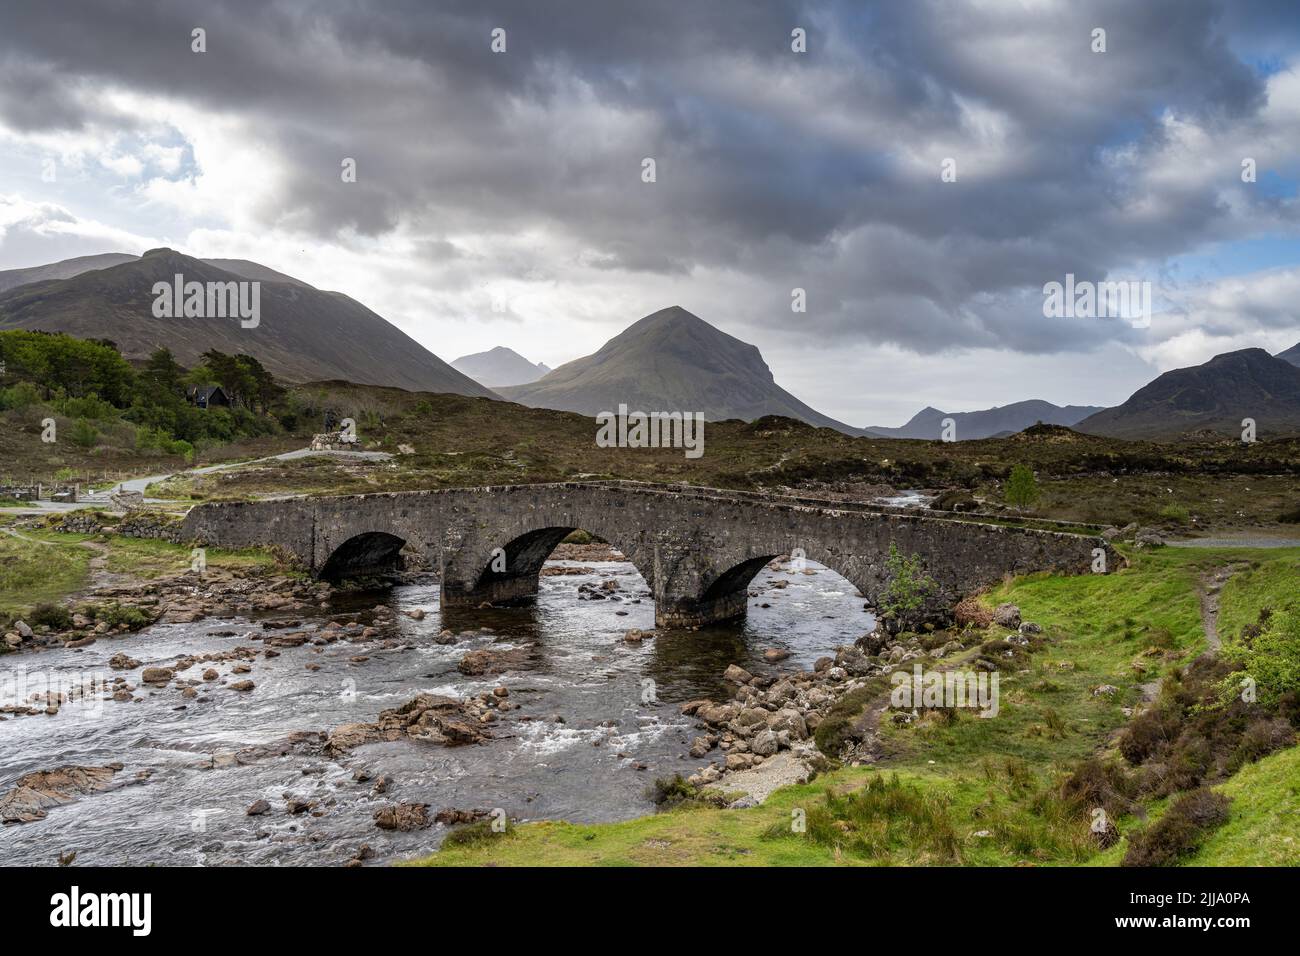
(697, 548)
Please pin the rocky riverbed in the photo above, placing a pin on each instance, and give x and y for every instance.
(264, 718)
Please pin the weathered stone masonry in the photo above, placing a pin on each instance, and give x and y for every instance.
(697, 549)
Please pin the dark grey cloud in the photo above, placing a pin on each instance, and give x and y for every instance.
(795, 170)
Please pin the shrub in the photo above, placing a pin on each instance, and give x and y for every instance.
(1261, 738)
(1096, 783)
(674, 793)
(1146, 733)
(115, 615)
(18, 396)
(1178, 834)
(1271, 658)
(55, 616)
(83, 434)
(972, 612)
(475, 834)
(90, 406)
(838, 726)
(1175, 513)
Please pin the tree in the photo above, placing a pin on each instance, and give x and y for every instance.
(162, 376)
(62, 365)
(909, 586)
(1022, 487)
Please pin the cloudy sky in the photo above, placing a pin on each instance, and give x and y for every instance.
(514, 179)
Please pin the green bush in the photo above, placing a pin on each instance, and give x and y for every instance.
(1271, 658)
(55, 616)
(473, 834)
(89, 407)
(116, 614)
(83, 433)
(674, 793)
(19, 396)
(837, 728)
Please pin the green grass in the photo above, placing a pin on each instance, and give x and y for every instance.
(1122, 629)
(940, 826)
(50, 566)
(1263, 827)
(38, 573)
(149, 558)
(1270, 583)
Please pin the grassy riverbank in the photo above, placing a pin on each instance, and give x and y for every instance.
(41, 566)
(987, 791)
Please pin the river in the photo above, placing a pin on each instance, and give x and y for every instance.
(185, 794)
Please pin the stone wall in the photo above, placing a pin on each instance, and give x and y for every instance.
(137, 524)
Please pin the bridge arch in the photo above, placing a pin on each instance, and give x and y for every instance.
(368, 551)
(724, 587)
(508, 572)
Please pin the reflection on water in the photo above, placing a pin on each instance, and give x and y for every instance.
(572, 750)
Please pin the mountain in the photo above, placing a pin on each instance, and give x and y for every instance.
(988, 422)
(1216, 396)
(13, 278)
(304, 333)
(670, 361)
(499, 367)
(1291, 355)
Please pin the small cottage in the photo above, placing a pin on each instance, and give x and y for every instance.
(207, 396)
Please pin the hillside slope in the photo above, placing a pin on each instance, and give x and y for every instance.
(65, 269)
(1215, 396)
(304, 333)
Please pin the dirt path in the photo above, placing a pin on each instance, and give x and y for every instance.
(1208, 587)
(1211, 584)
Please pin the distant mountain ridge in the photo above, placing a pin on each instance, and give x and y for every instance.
(66, 269)
(671, 360)
(1216, 395)
(1291, 355)
(304, 333)
(498, 367)
(988, 422)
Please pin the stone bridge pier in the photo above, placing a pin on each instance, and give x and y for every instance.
(697, 548)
